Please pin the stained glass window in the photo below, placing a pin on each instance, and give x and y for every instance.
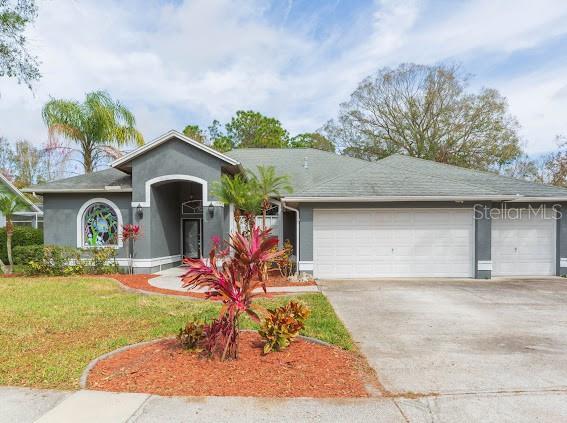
(100, 226)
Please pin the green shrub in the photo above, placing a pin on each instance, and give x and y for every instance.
(191, 336)
(282, 325)
(23, 254)
(54, 260)
(23, 235)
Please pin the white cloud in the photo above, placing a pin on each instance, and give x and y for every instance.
(191, 62)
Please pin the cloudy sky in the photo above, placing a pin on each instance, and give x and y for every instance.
(179, 62)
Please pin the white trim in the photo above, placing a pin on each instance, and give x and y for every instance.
(297, 234)
(74, 190)
(166, 137)
(410, 198)
(19, 193)
(80, 220)
(305, 266)
(539, 199)
(179, 177)
(484, 265)
(231, 223)
(152, 262)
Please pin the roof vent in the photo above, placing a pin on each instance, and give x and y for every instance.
(305, 164)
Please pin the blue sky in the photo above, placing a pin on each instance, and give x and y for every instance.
(179, 62)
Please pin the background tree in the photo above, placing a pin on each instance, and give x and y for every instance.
(96, 124)
(28, 164)
(424, 111)
(312, 140)
(10, 204)
(251, 129)
(268, 185)
(195, 133)
(15, 60)
(555, 164)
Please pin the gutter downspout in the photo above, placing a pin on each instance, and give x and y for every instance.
(296, 211)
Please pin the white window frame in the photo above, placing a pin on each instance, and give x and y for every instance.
(80, 214)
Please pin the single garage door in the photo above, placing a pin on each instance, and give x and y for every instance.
(523, 243)
(368, 243)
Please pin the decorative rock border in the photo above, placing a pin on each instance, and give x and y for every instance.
(85, 375)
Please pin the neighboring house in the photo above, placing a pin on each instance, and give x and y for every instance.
(346, 218)
(31, 216)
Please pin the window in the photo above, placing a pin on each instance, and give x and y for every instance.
(100, 223)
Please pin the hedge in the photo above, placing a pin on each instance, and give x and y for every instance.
(23, 235)
(23, 254)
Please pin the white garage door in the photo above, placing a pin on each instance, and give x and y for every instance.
(523, 244)
(368, 243)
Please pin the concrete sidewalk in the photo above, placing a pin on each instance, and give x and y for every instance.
(23, 405)
(170, 279)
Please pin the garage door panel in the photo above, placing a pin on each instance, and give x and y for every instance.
(393, 243)
(523, 244)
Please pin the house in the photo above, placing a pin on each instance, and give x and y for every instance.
(32, 215)
(347, 218)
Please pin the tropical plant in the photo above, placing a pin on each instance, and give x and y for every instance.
(98, 125)
(191, 336)
(242, 194)
(130, 234)
(284, 263)
(234, 283)
(268, 185)
(10, 204)
(282, 325)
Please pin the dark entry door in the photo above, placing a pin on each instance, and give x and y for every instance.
(192, 238)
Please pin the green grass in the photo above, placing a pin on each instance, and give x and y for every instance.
(52, 327)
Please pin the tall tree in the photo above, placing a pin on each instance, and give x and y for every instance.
(195, 133)
(10, 204)
(268, 185)
(252, 129)
(555, 164)
(15, 60)
(312, 140)
(28, 162)
(424, 111)
(96, 125)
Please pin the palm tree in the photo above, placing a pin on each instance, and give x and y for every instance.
(269, 185)
(97, 125)
(238, 191)
(10, 204)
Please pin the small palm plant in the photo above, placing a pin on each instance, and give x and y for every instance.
(242, 194)
(9, 205)
(268, 185)
(234, 283)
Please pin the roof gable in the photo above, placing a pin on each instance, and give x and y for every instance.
(6, 182)
(123, 162)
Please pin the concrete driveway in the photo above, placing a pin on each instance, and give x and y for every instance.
(491, 349)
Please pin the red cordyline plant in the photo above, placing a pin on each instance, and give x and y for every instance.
(234, 283)
(130, 232)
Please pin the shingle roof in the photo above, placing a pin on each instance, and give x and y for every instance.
(104, 180)
(321, 165)
(319, 174)
(403, 176)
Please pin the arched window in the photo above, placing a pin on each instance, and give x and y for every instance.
(99, 224)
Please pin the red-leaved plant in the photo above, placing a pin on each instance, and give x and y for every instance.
(133, 233)
(234, 283)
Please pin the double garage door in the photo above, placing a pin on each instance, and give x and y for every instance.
(367, 243)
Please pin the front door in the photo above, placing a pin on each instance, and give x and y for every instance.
(192, 238)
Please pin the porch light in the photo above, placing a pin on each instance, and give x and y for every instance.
(139, 212)
(211, 210)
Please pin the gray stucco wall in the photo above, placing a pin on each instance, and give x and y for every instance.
(162, 218)
(561, 239)
(61, 210)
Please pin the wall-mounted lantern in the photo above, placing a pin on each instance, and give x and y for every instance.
(139, 212)
(211, 210)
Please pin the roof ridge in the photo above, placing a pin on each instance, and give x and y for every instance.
(467, 169)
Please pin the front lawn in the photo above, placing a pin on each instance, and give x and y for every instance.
(52, 327)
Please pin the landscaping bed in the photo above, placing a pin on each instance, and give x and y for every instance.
(305, 369)
(141, 282)
(53, 327)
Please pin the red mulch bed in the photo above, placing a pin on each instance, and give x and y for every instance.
(302, 370)
(141, 282)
